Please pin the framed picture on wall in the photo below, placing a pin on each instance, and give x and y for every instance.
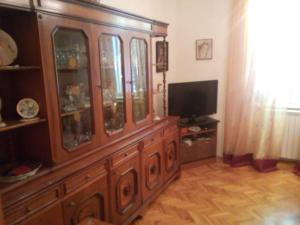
(204, 49)
(162, 56)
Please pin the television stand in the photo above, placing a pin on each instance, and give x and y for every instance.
(198, 145)
(196, 121)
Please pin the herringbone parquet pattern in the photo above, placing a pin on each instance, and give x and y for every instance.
(216, 194)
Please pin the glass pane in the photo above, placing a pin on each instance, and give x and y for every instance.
(139, 79)
(72, 73)
(112, 82)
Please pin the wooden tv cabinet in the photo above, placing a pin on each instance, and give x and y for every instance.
(203, 143)
(103, 156)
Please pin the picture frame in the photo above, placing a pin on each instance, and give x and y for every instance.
(204, 49)
(162, 56)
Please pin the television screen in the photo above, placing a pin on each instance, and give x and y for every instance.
(193, 99)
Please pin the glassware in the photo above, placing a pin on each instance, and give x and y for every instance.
(139, 77)
(73, 81)
(112, 82)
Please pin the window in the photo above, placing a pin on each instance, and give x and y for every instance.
(274, 40)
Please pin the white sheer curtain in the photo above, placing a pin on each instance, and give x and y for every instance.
(263, 78)
(274, 36)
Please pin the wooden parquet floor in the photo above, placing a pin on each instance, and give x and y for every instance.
(216, 194)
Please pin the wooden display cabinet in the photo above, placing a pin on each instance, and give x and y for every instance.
(52, 216)
(89, 68)
(111, 71)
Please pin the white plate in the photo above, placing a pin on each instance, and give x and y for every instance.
(8, 49)
(28, 108)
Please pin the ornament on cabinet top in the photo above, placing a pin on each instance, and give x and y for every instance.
(8, 49)
(28, 109)
(2, 124)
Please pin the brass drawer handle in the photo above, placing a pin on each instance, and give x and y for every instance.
(72, 204)
(29, 209)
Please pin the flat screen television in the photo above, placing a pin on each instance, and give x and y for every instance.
(193, 99)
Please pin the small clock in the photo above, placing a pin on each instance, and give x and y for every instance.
(28, 108)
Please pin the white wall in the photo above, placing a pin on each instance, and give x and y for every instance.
(201, 19)
(190, 20)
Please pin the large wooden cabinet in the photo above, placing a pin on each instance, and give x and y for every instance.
(102, 81)
(89, 68)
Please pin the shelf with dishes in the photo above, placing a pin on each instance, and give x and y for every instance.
(72, 69)
(16, 68)
(15, 124)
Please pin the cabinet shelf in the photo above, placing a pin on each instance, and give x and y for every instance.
(6, 187)
(15, 124)
(71, 69)
(65, 114)
(18, 68)
(189, 133)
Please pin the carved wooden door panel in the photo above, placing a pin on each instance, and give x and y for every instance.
(126, 197)
(152, 169)
(90, 202)
(171, 155)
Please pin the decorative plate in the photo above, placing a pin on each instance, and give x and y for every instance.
(8, 49)
(18, 171)
(28, 108)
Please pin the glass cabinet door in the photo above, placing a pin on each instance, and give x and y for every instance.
(73, 83)
(112, 82)
(139, 79)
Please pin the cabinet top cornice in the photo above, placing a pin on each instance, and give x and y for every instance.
(90, 11)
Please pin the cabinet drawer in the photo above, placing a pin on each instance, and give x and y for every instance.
(84, 176)
(22, 210)
(153, 138)
(51, 216)
(124, 155)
